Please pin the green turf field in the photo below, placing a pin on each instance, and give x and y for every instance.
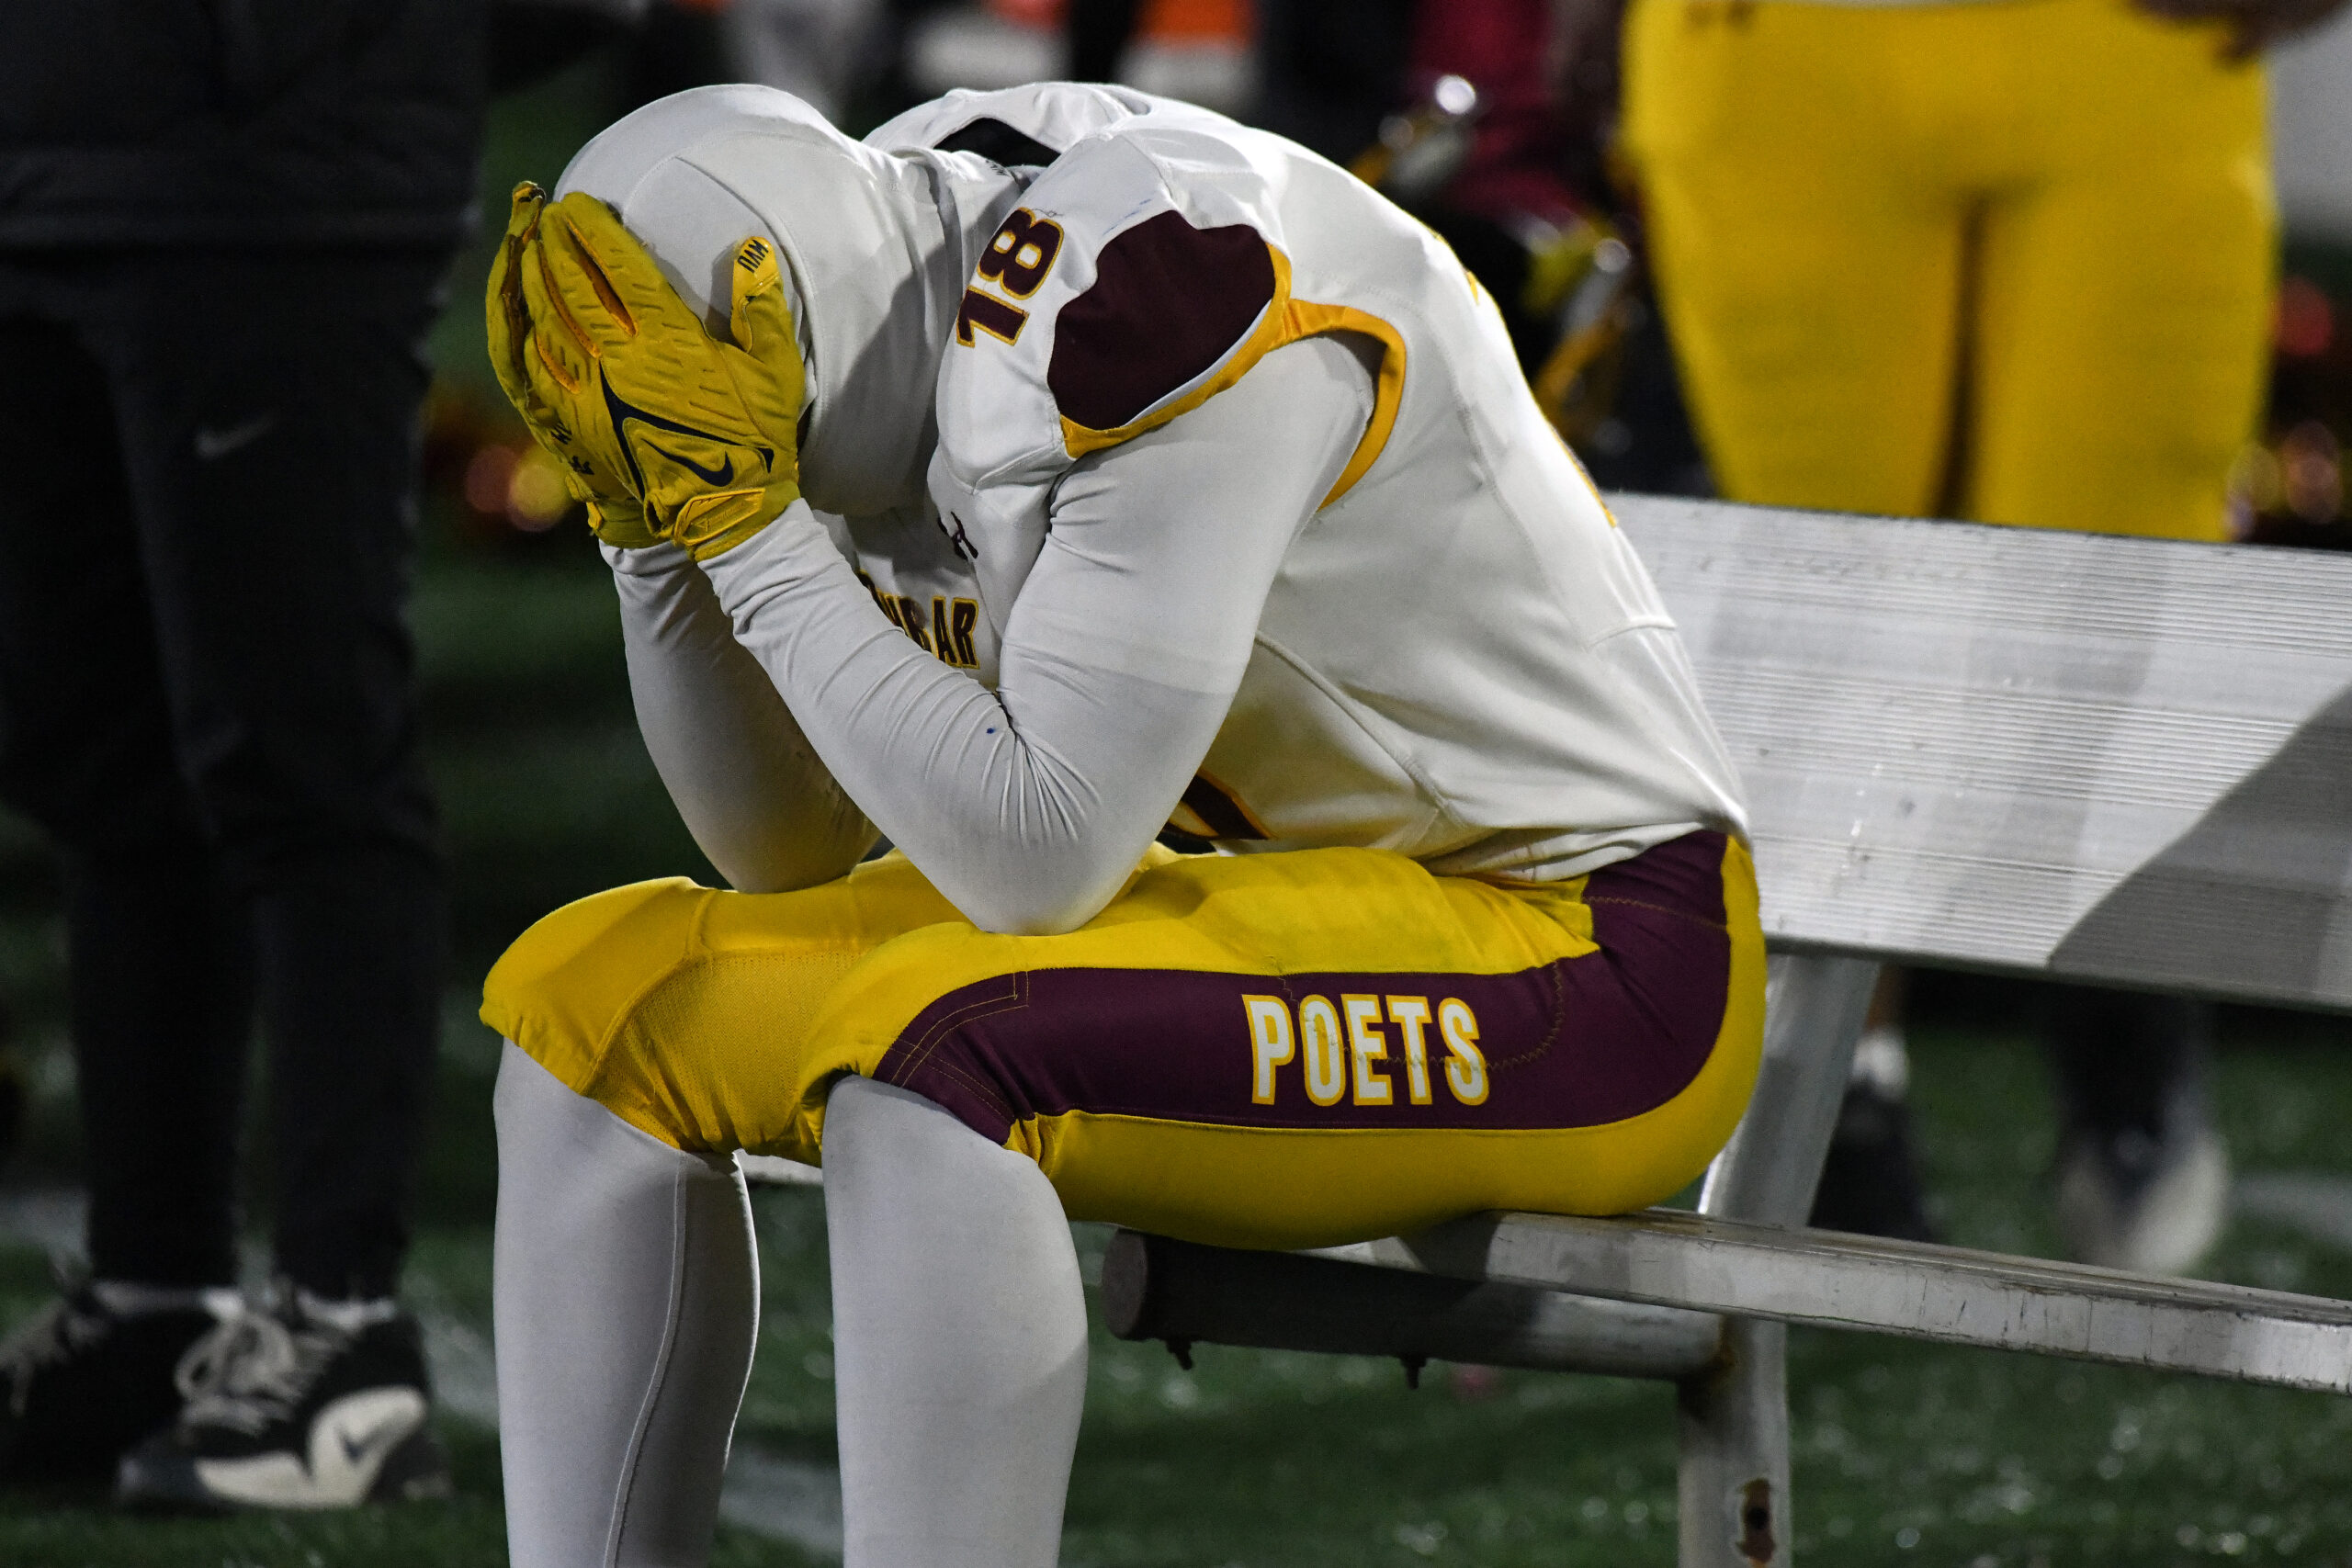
(1904, 1453)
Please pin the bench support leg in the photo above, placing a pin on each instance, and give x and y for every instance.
(1733, 1428)
(1732, 1422)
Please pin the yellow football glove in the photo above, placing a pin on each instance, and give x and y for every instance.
(702, 434)
(614, 515)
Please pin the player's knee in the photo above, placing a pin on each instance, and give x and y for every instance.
(568, 986)
(685, 1011)
(940, 1013)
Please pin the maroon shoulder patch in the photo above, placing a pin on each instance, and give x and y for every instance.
(1168, 302)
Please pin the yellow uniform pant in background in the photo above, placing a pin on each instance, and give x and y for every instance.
(1280, 1050)
(1845, 200)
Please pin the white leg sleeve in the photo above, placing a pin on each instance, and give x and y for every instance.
(959, 1338)
(627, 1301)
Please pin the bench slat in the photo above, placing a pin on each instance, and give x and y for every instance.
(1909, 1288)
(1155, 1288)
(2109, 758)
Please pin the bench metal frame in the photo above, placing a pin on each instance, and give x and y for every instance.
(2117, 761)
(1648, 1290)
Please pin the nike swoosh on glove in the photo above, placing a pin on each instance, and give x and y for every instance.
(702, 432)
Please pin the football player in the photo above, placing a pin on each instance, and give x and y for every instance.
(1056, 467)
(2036, 291)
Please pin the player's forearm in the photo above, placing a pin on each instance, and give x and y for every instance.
(1020, 813)
(743, 776)
(1029, 805)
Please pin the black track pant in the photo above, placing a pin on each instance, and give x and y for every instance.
(208, 698)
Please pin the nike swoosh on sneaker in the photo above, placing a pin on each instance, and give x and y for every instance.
(365, 1426)
(349, 1442)
(356, 1454)
(213, 443)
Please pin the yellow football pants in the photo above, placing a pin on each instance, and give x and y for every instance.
(1279, 1050)
(1850, 203)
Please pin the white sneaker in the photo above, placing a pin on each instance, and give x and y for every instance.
(2126, 1200)
(295, 1403)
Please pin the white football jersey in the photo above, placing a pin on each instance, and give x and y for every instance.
(1462, 658)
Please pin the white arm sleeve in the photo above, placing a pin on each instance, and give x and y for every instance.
(751, 789)
(1028, 807)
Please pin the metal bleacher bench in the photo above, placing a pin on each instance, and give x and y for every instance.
(2121, 761)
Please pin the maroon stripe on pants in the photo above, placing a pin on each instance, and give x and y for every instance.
(1575, 1043)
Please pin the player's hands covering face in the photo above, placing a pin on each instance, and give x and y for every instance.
(667, 433)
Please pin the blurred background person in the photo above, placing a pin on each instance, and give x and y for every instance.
(224, 235)
(1492, 122)
(2004, 262)
(821, 51)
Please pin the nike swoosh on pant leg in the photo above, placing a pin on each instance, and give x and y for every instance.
(214, 444)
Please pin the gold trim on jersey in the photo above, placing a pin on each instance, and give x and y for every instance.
(1284, 321)
(1311, 319)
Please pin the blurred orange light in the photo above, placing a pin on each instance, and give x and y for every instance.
(2255, 478)
(2305, 327)
(1189, 21)
(490, 475)
(535, 497)
(2312, 462)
